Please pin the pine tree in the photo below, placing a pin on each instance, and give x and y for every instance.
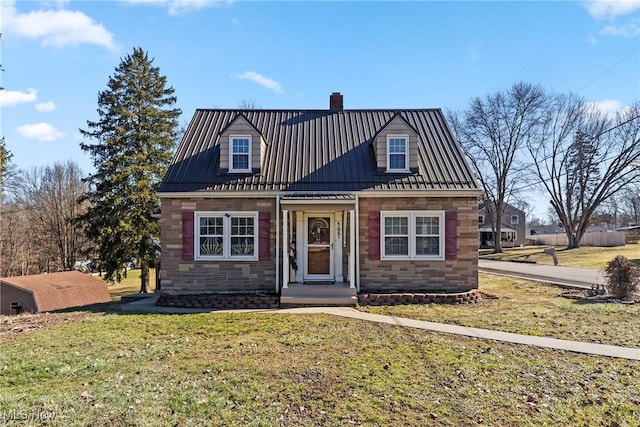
(132, 144)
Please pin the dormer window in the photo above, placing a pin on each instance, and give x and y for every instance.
(398, 153)
(240, 153)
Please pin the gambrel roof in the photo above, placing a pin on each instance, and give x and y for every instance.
(318, 151)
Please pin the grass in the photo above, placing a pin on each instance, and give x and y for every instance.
(585, 257)
(131, 284)
(533, 308)
(292, 370)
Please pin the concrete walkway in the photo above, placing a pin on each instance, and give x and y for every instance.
(556, 274)
(147, 305)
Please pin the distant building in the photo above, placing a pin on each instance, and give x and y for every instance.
(513, 228)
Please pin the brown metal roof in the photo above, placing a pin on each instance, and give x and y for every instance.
(318, 151)
(55, 291)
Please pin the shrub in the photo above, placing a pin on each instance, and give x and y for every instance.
(622, 277)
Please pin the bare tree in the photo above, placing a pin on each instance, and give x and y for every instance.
(249, 104)
(582, 159)
(50, 196)
(629, 204)
(493, 132)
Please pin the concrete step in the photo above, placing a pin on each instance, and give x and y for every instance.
(318, 295)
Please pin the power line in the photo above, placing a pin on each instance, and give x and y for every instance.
(609, 69)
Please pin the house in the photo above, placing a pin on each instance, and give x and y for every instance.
(49, 292)
(362, 200)
(513, 230)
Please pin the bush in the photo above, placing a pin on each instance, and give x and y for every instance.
(622, 277)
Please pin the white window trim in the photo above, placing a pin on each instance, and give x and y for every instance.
(231, 153)
(406, 153)
(226, 236)
(517, 221)
(480, 219)
(412, 234)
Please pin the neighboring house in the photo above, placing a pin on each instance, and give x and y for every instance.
(513, 230)
(48, 292)
(373, 200)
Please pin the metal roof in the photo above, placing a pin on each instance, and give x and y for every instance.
(318, 151)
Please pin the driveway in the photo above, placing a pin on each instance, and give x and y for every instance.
(555, 274)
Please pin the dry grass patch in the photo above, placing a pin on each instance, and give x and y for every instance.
(532, 308)
(293, 370)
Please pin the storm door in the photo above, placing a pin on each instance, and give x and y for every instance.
(319, 248)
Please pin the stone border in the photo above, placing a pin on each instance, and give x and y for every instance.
(219, 301)
(471, 297)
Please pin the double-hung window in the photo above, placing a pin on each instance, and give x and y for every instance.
(240, 153)
(514, 219)
(412, 235)
(397, 153)
(223, 236)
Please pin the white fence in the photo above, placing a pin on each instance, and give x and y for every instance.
(608, 238)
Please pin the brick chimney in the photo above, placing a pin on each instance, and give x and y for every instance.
(336, 102)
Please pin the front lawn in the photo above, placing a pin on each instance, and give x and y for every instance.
(585, 257)
(532, 308)
(298, 370)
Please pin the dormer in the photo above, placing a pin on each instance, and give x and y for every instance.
(242, 147)
(396, 147)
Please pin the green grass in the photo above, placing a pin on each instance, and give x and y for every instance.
(533, 308)
(585, 257)
(294, 370)
(131, 284)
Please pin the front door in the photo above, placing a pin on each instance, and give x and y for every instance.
(319, 248)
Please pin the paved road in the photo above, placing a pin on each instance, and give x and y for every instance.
(556, 274)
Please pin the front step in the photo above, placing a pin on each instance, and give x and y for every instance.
(318, 295)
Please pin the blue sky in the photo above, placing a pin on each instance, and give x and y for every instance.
(58, 55)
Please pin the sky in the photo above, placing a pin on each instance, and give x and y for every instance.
(58, 55)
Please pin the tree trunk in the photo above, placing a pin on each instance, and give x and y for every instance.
(144, 277)
(573, 240)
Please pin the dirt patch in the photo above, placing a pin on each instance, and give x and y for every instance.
(12, 327)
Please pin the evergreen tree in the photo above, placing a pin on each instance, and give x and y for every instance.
(133, 140)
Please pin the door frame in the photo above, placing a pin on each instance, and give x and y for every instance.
(305, 272)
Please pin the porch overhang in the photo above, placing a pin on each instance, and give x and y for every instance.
(318, 202)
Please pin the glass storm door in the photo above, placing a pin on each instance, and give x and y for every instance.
(319, 248)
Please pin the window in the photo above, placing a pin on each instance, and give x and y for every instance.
(240, 153)
(226, 235)
(514, 219)
(397, 153)
(480, 219)
(412, 235)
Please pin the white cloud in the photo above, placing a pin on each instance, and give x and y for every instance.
(40, 131)
(11, 97)
(631, 29)
(179, 7)
(611, 9)
(55, 27)
(264, 81)
(46, 106)
(608, 106)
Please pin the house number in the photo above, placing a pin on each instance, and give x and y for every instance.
(339, 230)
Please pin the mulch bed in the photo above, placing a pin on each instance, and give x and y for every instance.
(582, 296)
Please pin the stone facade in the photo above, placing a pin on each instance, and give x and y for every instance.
(226, 276)
(454, 275)
(376, 276)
